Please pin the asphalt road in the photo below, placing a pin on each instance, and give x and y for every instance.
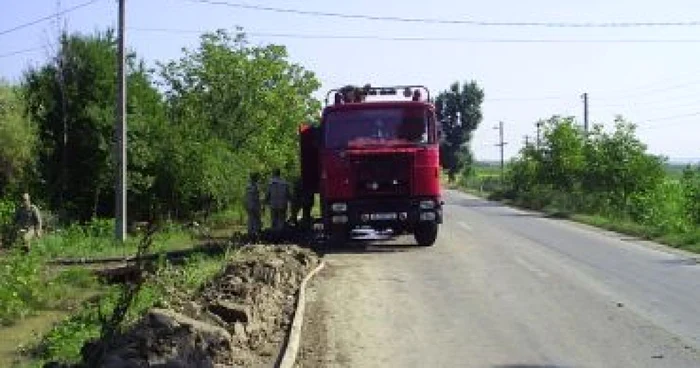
(505, 288)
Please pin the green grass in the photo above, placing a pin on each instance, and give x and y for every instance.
(73, 244)
(687, 240)
(674, 171)
(232, 218)
(169, 284)
(617, 225)
(27, 286)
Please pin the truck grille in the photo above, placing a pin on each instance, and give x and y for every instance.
(383, 175)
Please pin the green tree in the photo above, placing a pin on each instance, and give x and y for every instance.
(617, 165)
(459, 113)
(598, 172)
(562, 153)
(243, 104)
(525, 171)
(72, 100)
(17, 139)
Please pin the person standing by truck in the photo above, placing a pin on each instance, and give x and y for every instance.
(296, 202)
(253, 206)
(302, 201)
(278, 197)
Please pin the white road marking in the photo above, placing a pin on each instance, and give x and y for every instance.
(464, 226)
(532, 268)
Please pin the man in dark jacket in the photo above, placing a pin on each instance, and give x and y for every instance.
(253, 206)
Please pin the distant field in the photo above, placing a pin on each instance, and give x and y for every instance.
(674, 171)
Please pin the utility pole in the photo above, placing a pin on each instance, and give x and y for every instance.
(585, 112)
(501, 144)
(539, 125)
(527, 140)
(120, 125)
(61, 61)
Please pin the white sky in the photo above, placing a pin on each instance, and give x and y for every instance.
(656, 85)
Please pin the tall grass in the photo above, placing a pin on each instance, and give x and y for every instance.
(28, 284)
(660, 214)
(22, 287)
(96, 239)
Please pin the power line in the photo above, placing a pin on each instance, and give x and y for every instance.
(672, 117)
(654, 106)
(646, 101)
(669, 124)
(653, 85)
(527, 99)
(643, 92)
(692, 23)
(631, 99)
(19, 52)
(48, 17)
(422, 38)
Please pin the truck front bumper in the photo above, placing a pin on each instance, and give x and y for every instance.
(397, 214)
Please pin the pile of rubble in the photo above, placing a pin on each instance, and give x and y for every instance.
(240, 318)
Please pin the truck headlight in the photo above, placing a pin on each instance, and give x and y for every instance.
(427, 216)
(339, 207)
(427, 205)
(339, 219)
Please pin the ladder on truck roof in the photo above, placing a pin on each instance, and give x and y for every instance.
(409, 91)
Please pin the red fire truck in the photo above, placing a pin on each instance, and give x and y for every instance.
(374, 160)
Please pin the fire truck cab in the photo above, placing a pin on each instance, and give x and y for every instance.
(374, 160)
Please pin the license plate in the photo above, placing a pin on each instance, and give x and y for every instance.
(383, 216)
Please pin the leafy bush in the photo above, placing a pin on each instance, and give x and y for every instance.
(22, 289)
(691, 194)
(7, 210)
(660, 208)
(605, 174)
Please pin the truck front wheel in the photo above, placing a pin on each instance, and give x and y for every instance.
(426, 234)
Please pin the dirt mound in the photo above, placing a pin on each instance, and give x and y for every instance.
(164, 338)
(240, 318)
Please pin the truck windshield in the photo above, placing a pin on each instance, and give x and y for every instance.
(378, 126)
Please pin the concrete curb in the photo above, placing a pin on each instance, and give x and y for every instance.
(294, 339)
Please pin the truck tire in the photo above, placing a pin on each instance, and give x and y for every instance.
(426, 234)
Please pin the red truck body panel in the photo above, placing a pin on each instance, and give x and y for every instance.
(375, 163)
(339, 170)
(310, 159)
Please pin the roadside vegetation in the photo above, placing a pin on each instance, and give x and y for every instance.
(602, 178)
(217, 113)
(220, 111)
(170, 283)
